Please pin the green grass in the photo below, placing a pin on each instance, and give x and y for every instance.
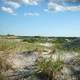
(12, 45)
(49, 68)
(7, 44)
(44, 66)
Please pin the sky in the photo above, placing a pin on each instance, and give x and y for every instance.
(40, 17)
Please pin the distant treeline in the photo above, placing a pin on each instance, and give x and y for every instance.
(40, 38)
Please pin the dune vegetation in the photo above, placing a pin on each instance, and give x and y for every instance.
(55, 57)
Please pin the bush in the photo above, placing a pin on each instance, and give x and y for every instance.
(49, 68)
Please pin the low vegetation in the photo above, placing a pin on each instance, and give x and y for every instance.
(47, 68)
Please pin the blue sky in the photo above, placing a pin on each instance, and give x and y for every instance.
(40, 17)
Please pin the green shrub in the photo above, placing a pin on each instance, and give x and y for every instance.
(49, 67)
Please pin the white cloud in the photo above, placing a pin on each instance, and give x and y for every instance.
(72, 0)
(31, 2)
(13, 4)
(55, 7)
(7, 9)
(31, 14)
(58, 7)
(73, 8)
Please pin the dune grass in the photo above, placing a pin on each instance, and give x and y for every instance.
(12, 46)
(48, 68)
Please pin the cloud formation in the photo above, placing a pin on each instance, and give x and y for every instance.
(11, 6)
(8, 10)
(59, 6)
(31, 14)
(72, 0)
(29, 2)
(55, 7)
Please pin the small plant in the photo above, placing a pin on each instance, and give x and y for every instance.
(49, 68)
